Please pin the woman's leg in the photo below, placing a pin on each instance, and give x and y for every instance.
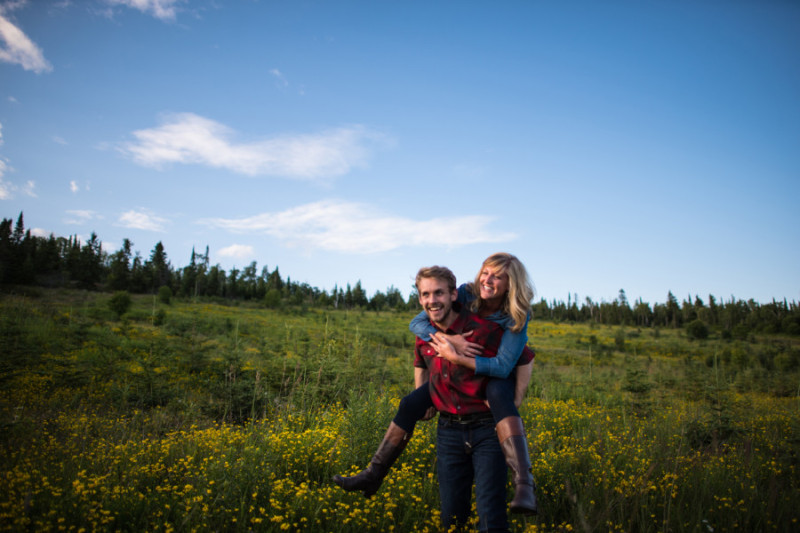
(412, 408)
(514, 443)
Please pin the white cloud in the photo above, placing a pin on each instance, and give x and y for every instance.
(18, 49)
(356, 228)
(6, 191)
(75, 187)
(191, 139)
(142, 219)
(281, 79)
(5, 187)
(9, 190)
(161, 9)
(80, 216)
(237, 251)
(39, 232)
(59, 140)
(28, 189)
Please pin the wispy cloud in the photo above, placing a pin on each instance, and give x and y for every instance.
(6, 192)
(281, 80)
(142, 219)
(29, 189)
(9, 190)
(80, 216)
(16, 48)
(237, 251)
(75, 187)
(191, 139)
(350, 227)
(160, 9)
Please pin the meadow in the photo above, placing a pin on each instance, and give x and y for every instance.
(220, 416)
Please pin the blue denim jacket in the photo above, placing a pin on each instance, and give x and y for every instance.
(511, 344)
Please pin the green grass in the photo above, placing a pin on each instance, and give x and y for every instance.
(211, 417)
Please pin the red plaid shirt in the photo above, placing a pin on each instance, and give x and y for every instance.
(454, 388)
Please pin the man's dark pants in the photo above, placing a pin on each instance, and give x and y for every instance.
(466, 453)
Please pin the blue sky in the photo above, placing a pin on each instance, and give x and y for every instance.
(644, 146)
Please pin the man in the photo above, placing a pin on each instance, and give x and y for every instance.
(467, 446)
(468, 449)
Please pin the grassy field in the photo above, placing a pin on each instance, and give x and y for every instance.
(209, 416)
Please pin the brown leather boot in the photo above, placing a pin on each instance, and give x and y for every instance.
(511, 434)
(369, 480)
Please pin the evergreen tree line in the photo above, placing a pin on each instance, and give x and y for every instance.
(57, 261)
(27, 259)
(733, 318)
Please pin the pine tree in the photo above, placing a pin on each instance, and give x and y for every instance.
(119, 270)
(159, 268)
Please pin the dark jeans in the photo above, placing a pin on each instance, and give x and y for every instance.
(467, 454)
(499, 392)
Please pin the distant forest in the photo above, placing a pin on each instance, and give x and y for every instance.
(26, 259)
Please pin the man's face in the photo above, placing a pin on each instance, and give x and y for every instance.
(436, 299)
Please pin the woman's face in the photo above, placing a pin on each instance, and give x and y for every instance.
(494, 283)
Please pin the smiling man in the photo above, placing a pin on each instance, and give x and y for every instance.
(467, 448)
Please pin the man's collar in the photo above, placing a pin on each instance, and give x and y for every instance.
(457, 326)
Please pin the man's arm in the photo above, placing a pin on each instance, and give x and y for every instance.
(421, 378)
(523, 379)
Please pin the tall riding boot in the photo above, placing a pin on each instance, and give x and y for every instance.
(511, 434)
(369, 480)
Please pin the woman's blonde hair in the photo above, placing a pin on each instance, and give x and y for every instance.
(517, 302)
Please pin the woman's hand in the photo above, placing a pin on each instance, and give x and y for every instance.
(460, 343)
(441, 343)
(444, 347)
(463, 346)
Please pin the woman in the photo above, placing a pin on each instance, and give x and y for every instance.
(501, 292)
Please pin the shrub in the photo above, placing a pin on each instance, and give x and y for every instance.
(120, 302)
(165, 294)
(619, 340)
(272, 299)
(697, 329)
(159, 317)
